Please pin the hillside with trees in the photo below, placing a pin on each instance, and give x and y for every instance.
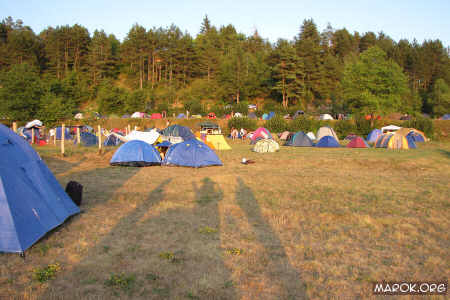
(60, 71)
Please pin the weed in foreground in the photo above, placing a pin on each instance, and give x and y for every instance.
(45, 274)
(171, 256)
(234, 251)
(207, 230)
(121, 281)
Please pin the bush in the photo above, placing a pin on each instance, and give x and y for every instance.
(302, 124)
(363, 127)
(242, 108)
(246, 123)
(277, 124)
(47, 273)
(194, 108)
(344, 128)
(422, 124)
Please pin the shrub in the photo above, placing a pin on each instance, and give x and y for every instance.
(277, 124)
(364, 127)
(121, 281)
(422, 124)
(344, 128)
(244, 122)
(302, 124)
(242, 108)
(47, 273)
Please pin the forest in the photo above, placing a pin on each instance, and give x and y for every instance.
(64, 70)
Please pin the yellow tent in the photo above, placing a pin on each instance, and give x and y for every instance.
(398, 141)
(218, 141)
(210, 145)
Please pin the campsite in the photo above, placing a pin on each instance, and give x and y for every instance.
(285, 226)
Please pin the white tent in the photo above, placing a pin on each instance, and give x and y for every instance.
(237, 115)
(389, 128)
(78, 116)
(137, 115)
(324, 131)
(326, 117)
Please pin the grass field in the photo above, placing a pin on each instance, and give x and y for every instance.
(303, 223)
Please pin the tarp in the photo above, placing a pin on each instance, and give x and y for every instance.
(373, 135)
(327, 142)
(261, 133)
(326, 131)
(311, 135)
(178, 131)
(389, 128)
(34, 123)
(265, 146)
(358, 142)
(148, 137)
(156, 116)
(299, 139)
(191, 153)
(218, 141)
(136, 154)
(32, 202)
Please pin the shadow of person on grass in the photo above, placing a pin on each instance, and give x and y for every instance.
(278, 269)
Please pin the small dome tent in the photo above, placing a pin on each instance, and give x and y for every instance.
(266, 145)
(136, 154)
(326, 131)
(328, 142)
(261, 133)
(299, 139)
(358, 142)
(178, 131)
(32, 202)
(191, 153)
(373, 135)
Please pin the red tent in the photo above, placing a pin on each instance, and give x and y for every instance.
(211, 115)
(156, 116)
(357, 142)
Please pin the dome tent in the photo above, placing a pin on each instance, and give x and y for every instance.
(266, 145)
(191, 153)
(32, 202)
(326, 131)
(373, 135)
(261, 133)
(136, 154)
(358, 142)
(112, 140)
(328, 142)
(300, 139)
(178, 131)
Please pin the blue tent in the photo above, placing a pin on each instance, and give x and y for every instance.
(373, 135)
(178, 130)
(328, 142)
(27, 132)
(87, 139)
(270, 115)
(181, 116)
(192, 153)
(418, 138)
(67, 135)
(31, 200)
(136, 154)
(166, 144)
(112, 140)
(411, 143)
(126, 116)
(446, 117)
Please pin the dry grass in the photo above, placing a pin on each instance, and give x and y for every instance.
(301, 223)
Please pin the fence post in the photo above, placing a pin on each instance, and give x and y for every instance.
(32, 135)
(129, 128)
(99, 138)
(15, 127)
(63, 137)
(78, 136)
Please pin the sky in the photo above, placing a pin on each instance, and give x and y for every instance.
(399, 19)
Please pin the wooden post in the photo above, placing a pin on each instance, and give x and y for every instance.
(78, 136)
(63, 137)
(32, 135)
(129, 128)
(99, 138)
(14, 127)
(54, 136)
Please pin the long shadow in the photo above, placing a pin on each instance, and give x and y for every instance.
(444, 153)
(59, 166)
(279, 270)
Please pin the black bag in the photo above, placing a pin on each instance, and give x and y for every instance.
(75, 191)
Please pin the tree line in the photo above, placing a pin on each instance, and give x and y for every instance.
(61, 70)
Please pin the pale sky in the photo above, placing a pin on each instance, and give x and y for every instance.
(425, 19)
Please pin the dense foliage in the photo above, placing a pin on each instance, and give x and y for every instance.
(61, 70)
